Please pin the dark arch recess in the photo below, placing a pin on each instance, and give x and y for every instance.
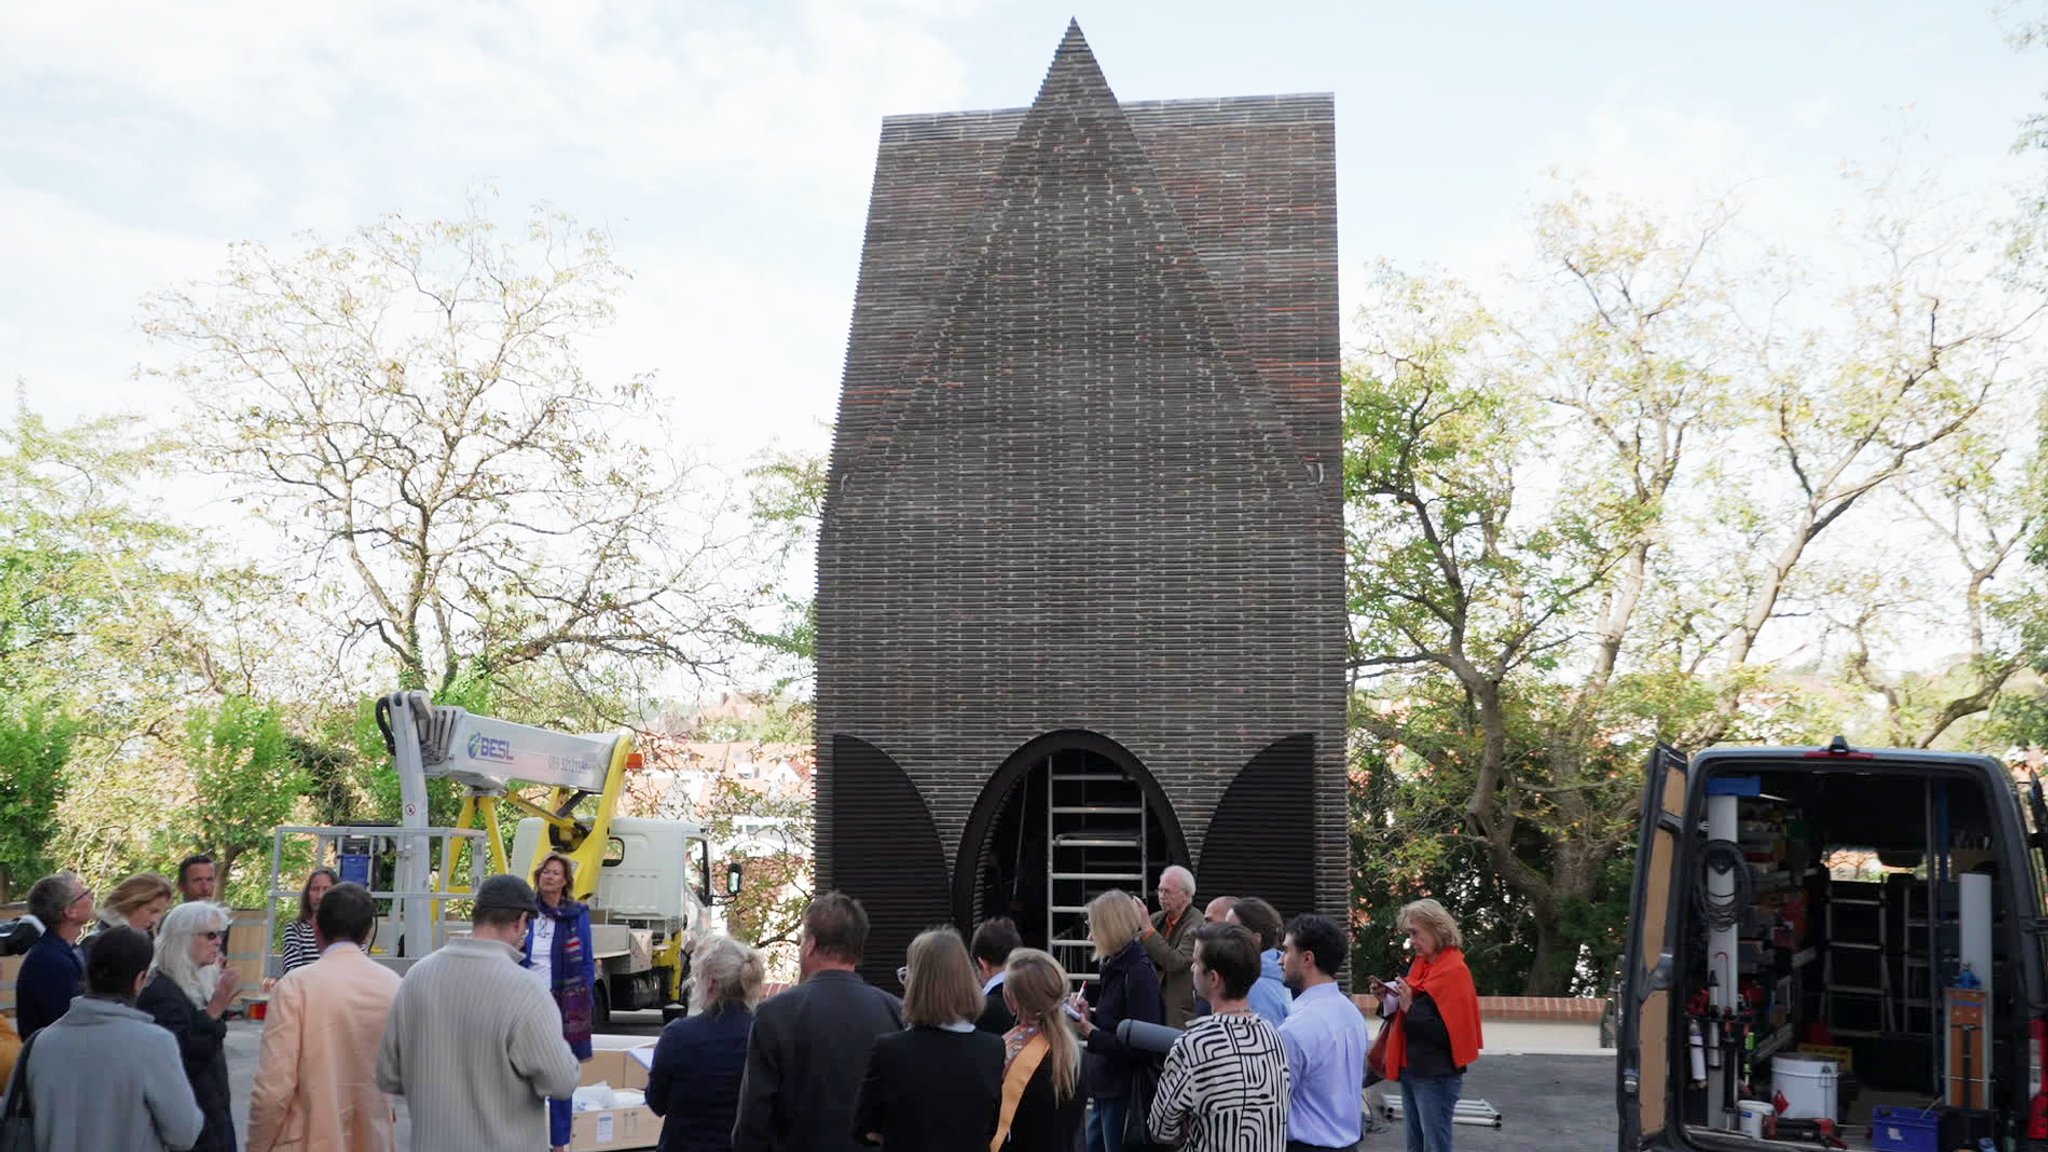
(885, 853)
(1261, 840)
(967, 865)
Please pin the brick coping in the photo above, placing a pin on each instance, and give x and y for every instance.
(1526, 1009)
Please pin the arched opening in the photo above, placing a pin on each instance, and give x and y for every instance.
(1067, 817)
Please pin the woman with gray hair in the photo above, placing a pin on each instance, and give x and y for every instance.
(188, 992)
(694, 1085)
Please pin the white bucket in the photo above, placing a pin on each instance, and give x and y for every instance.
(1751, 1115)
(1808, 1087)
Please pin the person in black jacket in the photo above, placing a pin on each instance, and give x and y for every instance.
(1128, 990)
(937, 1085)
(994, 940)
(809, 1045)
(53, 972)
(1042, 1052)
(695, 1082)
(188, 991)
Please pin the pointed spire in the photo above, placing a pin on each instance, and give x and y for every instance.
(1074, 75)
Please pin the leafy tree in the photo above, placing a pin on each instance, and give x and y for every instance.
(787, 505)
(771, 835)
(246, 781)
(407, 408)
(1565, 544)
(35, 743)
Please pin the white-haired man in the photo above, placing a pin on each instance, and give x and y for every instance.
(1170, 941)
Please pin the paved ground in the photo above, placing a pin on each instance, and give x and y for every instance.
(1548, 1103)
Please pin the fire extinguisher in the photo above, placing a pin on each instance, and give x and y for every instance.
(1698, 1046)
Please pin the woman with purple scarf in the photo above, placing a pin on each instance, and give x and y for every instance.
(559, 949)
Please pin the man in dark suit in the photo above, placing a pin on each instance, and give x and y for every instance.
(808, 1051)
(993, 942)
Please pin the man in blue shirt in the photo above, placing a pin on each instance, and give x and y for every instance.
(54, 968)
(1270, 997)
(1325, 1039)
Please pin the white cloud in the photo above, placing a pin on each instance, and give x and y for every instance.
(730, 147)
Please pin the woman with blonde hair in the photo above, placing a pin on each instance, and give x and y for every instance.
(1129, 990)
(137, 902)
(1042, 1104)
(936, 1085)
(188, 991)
(700, 1059)
(560, 950)
(1434, 1034)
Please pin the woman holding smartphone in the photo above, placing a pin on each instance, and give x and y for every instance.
(1434, 1034)
(1129, 990)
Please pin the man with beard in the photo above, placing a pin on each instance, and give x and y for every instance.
(1324, 1037)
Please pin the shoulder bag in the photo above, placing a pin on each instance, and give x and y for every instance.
(18, 1124)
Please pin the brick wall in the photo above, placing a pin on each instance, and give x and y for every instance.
(1085, 473)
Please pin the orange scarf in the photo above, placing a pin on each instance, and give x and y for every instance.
(1449, 983)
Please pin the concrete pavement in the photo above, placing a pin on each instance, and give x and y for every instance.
(1549, 1103)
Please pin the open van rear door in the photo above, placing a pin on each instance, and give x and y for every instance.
(1643, 1067)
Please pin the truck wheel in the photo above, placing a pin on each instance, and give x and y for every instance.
(601, 1010)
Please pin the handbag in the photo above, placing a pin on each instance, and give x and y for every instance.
(1376, 1056)
(1138, 1101)
(18, 1122)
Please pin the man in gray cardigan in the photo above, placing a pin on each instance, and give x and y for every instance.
(474, 1042)
(104, 1075)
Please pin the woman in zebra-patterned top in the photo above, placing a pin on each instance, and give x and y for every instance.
(299, 947)
(1224, 1088)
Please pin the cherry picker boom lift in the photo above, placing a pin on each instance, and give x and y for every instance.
(634, 873)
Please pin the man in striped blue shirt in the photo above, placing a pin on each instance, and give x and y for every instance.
(1325, 1040)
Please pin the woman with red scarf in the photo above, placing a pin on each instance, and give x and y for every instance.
(560, 951)
(1434, 1034)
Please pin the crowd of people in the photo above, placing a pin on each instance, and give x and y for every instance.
(1218, 1030)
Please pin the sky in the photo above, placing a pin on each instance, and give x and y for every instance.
(728, 147)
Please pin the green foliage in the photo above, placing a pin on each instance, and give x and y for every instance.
(35, 744)
(1565, 544)
(246, 781)
(771, 835)
(787, 504)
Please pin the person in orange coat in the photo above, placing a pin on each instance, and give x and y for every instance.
(1435, 1032)
(10, 1048)
(316, 1077)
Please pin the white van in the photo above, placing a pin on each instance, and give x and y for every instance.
(1835, 944)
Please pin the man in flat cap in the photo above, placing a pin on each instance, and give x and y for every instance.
(475, 1043)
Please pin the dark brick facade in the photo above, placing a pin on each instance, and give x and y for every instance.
(1085, 481)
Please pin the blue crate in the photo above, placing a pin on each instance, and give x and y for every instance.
(1905, 1129)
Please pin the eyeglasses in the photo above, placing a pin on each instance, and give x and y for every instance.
(903, 976)
(83, 894)
(210, 935)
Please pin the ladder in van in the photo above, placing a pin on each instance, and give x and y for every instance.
(1096, 839)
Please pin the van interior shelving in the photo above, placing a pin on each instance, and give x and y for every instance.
(1848, 925)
